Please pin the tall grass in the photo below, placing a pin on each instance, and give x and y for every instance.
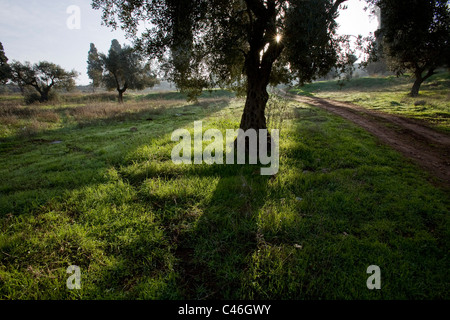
(28, 120)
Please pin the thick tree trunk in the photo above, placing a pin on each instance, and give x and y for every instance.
(44, 95)
(121, 95)
(253, 116)
(258, 64)
(416, 87)
(419, 80)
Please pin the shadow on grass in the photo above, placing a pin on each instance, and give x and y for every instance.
(213, 255)
(42, 169)
(209, 213)
(200, 246)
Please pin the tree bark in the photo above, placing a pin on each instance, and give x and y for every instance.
(419, 80)
(253, 116)
(121, 95)
(416, 87)
(258, 65)
(44, 93)
(258, 71)
(259, 61)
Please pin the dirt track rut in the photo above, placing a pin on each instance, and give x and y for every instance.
(428, 148)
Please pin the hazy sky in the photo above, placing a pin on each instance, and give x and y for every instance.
(35, 30)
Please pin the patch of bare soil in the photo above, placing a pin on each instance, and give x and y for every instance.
(428, 148)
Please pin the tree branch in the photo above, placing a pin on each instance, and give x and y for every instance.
(52, 83)
(271, 55)
(36, 86)
(250, 16)
(337, 4)
(429, 74)
(257, 7)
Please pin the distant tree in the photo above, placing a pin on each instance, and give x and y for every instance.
(95, 67)
(245, 45)
(124, 69)
(5, 70)
(42, 77)
(378, 67)
(415, 37)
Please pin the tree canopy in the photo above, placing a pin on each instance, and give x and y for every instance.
(124, 69)
(42, 77)
(5, 70)
(415, 36)
(241, 44)
(94, 67)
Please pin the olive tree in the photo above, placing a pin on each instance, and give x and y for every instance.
(124, 69)
(414, 37)
(241, 44)
(42, 77)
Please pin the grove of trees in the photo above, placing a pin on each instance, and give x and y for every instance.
(245, 45)
(241, 44)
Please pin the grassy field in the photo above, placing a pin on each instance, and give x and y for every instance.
(390, 94)
(91, 183)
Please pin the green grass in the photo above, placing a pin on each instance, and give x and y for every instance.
(111, 201)
(390, 94)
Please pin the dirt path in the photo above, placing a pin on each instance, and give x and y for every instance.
(428, 148)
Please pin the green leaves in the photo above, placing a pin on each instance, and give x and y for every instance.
(5, 70)
(202, 44)
(42, 76)
(415, 35)
(124, 69)
(95, 67)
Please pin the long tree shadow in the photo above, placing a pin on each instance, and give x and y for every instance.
(206, 245)
(213, 255)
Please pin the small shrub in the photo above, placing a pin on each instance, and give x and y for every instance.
(31, 97)
(420, 103)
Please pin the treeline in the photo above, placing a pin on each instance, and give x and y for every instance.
(121, 69)
(247, 46)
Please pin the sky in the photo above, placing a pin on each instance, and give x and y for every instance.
(38, 30)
